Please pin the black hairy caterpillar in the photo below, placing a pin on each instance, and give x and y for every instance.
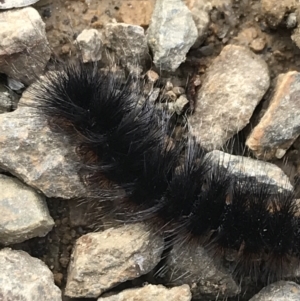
(130, 157)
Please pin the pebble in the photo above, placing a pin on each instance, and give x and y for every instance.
(280, 125)
(200, 10)
(279, 291)
(6, 4)
(274, 11)
(234, 84)
(258, 45)
(172, 32)
(90, 43)
(24, 49)
(192, 265)
(102, 260)
(24, 212)
(151, 293)
(25, 278)
(247, 168)
(128, 43)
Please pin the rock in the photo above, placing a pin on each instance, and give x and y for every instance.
(128, 42)
(6, 4)
(291, 21)
(24, 49)
(24, 212)
(152, 292)
(172, 32)
(279, 291)
(41, 158)
(274, 11)
(280, 125)
(25, 278)
(193, 266)
(235, 83)
(246, 168)
(137, 13)
(258, 45)
(200, 11)
(6, 103)
(102, 260)
(90, 43)
(180, 104)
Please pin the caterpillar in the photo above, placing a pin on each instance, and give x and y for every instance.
(131, 159)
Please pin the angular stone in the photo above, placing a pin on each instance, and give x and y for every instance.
(200, 11)
(274, 11)
(128, 42)
(102, 260)
(90, 43)
(172, 32)
(6, 4)
(194, 266)
(24, 49)
(24, 212)
(246, 168)
(152, 292)
(235, 83)
(41, 158)
(279, 291)
(25, 278)
(280, 125)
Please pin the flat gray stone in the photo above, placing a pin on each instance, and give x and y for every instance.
(105, 259)
(24, 212)
(247, 168)
(25, 278)
(151, 293)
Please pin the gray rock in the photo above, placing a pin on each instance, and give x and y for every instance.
(6, 103)
(279, 291)
(235, 83)
(25, 278)
(41, 158)
(172, 32)
(280, 125)
(246, 168)
(180, 104)
(90, 43)
(24, 212)
(274, 11)
(200, 11)
(291, 21)
(24, 49)
(128, 43)
(6, 4)
(152, 292)
(102, 260)
(193, 266)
